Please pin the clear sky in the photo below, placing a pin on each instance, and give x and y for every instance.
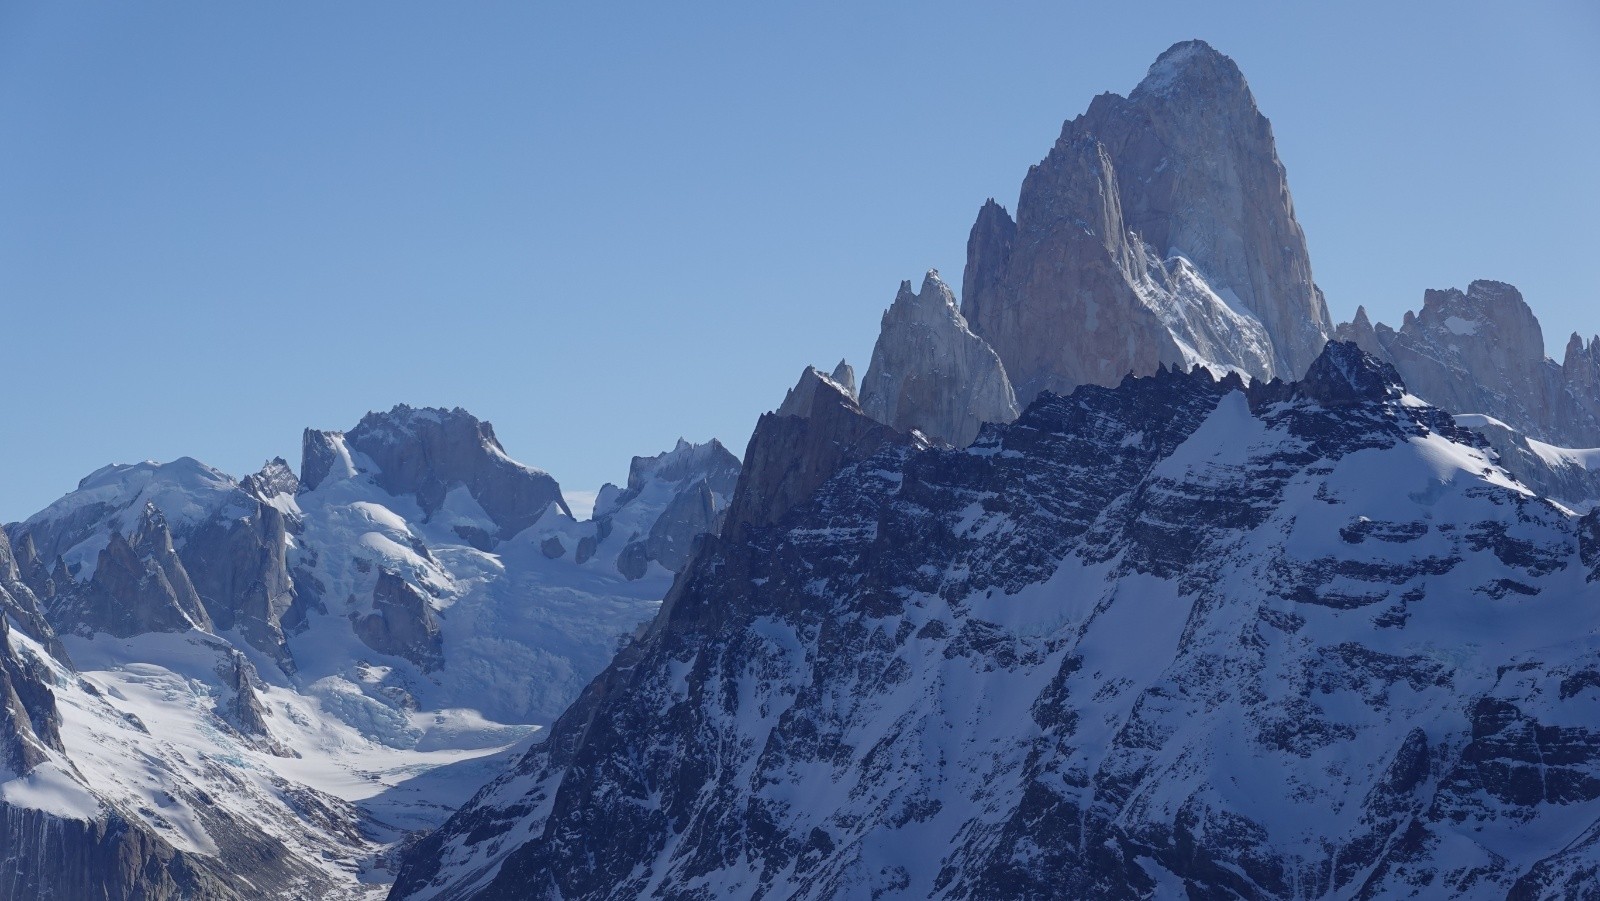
(602, 226)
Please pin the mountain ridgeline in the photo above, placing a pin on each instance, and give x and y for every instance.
(210, 684)
(1119, 579)
(1127, 574)
(1186, 636)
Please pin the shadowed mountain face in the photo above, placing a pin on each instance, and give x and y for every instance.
(1180, 632)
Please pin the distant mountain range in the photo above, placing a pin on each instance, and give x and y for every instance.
(1127, 574)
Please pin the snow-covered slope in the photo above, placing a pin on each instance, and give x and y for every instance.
(1565, 474)
(275, 683)
(1177, 638)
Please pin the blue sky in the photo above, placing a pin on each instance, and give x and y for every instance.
(603, 226)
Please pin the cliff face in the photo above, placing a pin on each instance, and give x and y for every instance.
(1482, 351)
(818, 429)
(930, 372)
(426, 452)
(1159, 229)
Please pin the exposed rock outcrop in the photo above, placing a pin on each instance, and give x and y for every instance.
(815, 432)
(30, 723)
(274, 480)
(1345, 376)
(18, 599)
(930, 372)
(1158, 230)
(1482, 351)
(239, 563)
(139, 585)
(401, 623)
(242, 708)
(844, 375)
(427, 452)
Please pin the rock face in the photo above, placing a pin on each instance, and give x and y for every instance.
(1178, 637)
(139, 585)
(112, 859)
(238, 561)
(18, 600)
(1483, 351)
(428, 452)
(1159, 229)
(690, 486)
(930, 372)
(817, 429)
(30, 723)
(401, 623)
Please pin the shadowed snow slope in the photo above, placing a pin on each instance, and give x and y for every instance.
(1176, 637)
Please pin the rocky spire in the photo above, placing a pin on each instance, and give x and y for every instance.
(139, 585)
(818, 430)
(845, 376)
(1360, 331)
(988, 255)
(931, 373)
(1159, 229)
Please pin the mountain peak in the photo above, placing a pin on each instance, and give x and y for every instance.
(1344, 375)
(1189, 62)
(930, 372)
(1158, 229)
(817, 431)
(429, 451)
(814, 387)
